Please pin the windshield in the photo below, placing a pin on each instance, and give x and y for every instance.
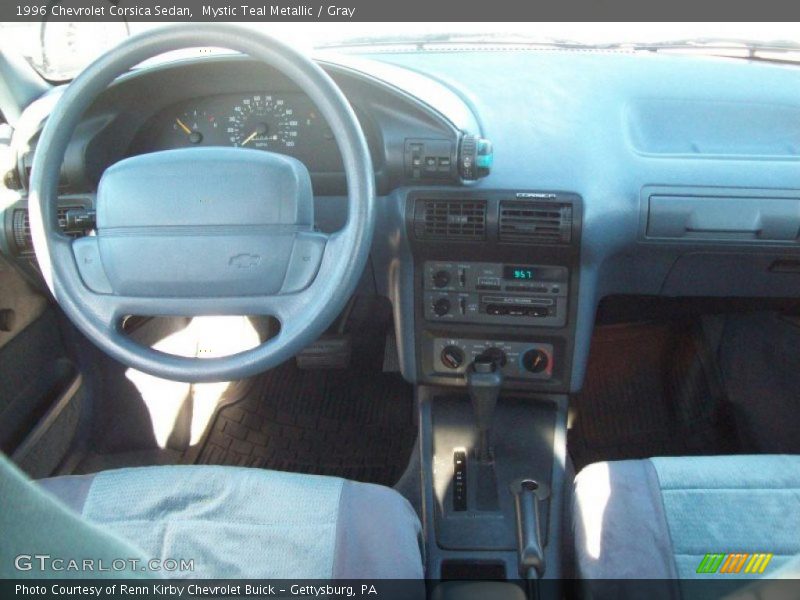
(60, 50)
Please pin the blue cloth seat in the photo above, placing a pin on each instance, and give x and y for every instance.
(660, 518)
(251, 523)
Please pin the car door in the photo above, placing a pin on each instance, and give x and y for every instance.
(38, 382)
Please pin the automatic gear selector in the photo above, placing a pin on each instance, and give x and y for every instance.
(484, 380)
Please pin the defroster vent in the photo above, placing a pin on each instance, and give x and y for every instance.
(450, 219)
(535, 222)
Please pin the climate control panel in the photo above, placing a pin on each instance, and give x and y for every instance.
(518, 360)
(507, 294)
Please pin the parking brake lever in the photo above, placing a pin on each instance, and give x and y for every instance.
(529, 542)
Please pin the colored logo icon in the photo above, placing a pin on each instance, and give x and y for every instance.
(734, 563)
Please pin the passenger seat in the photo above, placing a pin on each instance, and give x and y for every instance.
(659, 519)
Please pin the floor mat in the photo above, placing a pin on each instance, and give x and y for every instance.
(760, 361)
(351, 423)
(651, 389)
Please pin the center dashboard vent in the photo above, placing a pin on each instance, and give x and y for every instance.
(459, 220)
(535, 222)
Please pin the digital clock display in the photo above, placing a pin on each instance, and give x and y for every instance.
(517, 273)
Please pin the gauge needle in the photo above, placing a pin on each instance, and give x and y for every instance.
(250, 137)
(184, 127)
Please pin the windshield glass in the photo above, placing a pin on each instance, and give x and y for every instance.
(60, 50)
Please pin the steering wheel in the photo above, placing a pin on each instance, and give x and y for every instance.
(203, 231)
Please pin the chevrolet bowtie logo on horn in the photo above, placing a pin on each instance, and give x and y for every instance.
(740, 563)
(244, 261)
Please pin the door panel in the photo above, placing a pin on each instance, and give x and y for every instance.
(20, 303)
(34, 366)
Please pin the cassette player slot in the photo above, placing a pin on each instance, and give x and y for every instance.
(517, 310)
(518, 300)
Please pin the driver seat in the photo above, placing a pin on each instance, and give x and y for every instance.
(234, 522)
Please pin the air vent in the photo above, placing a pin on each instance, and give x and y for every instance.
(535, 222)
(450, 219)
(21, 224)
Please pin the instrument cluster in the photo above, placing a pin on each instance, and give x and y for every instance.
(287, 123)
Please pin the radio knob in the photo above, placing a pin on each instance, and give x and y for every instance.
(441, 307)
(441, 279)
(535, 360)
(452, 357)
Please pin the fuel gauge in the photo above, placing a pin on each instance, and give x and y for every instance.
(194, 125)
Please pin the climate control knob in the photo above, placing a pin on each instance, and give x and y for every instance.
(452, 357)
(535, 360)
(496, 355)
(441, 279)
(441, 307)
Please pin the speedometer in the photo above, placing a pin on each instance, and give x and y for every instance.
(263, 121)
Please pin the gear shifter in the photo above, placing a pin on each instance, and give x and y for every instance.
(484, 380)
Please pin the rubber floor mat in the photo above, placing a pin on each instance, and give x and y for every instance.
(356, 424)
(651, 389)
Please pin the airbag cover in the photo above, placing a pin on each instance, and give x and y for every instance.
(201, 221)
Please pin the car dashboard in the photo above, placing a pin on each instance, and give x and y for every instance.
(614, 173)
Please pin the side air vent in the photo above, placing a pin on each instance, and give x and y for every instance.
(462, 220)
(21, 226)
(535, 222)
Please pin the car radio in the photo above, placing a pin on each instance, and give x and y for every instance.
(509, 294)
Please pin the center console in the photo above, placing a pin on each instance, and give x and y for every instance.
(495, 285)
(495, 273)
(495, 288)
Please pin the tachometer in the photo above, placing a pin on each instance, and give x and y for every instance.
(263, 121)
